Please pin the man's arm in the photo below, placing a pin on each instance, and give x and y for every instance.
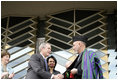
(37, 65)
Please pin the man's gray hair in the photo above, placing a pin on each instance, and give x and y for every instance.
(42, 45)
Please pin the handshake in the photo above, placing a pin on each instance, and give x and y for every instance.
(58, 76)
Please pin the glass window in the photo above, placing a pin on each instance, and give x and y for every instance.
(81, 14)
(59, 44)
(64, 54)
(60, 37)
(21, 26)
(90, 27)
(22, 52)
(94, 18)
(68, 15)
(61, 23)
(25, 43)
(14, 49)
(60, 60)
(100, 54)
(19, 60)
(54, 48)
(13, 20)
(61, 30)
(20, 32)
(20, 39)
(21, 67)
(93, 33)
(20, 74)
(94, 40)
(98, 46)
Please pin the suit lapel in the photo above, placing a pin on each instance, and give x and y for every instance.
(78, 62)
(42, 60)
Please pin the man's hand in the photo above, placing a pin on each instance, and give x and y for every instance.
(74, 71)
(60, 76)
(55, 77)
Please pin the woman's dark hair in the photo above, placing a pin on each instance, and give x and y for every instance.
(4, 53)
(53, 59)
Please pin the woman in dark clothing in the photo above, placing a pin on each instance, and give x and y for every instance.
(51, 64)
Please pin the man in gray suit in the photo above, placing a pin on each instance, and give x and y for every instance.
(37, 67)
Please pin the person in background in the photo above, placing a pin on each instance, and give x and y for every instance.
(6, 71)
(51, 60)
(38, 67)
(87, 64)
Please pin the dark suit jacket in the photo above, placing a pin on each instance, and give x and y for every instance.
(36, 68)
(76, 64)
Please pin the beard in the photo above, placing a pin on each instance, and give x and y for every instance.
(75, 51)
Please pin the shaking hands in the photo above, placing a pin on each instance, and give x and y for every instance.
(58, 76)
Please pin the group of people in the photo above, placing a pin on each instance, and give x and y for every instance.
(42, 66)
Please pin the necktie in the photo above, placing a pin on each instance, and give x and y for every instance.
(46, 65)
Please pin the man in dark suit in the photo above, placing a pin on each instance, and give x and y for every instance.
(37, 67)
(86, 65)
